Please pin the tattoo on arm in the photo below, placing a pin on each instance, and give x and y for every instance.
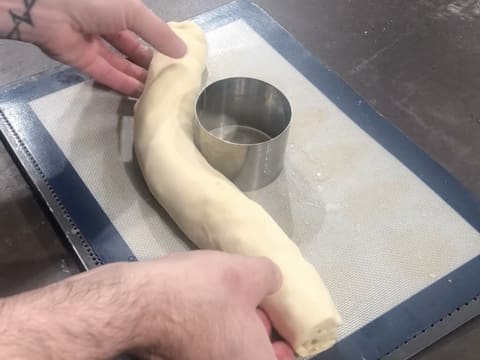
(18, 19)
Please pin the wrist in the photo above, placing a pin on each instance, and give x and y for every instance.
(159, 324)
(15, 18)
(31, 20)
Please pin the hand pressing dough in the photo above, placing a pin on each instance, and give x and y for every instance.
(210, 209)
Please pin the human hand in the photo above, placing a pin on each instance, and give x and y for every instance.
(212, 313)
(78, 33)
(199, 305)
(282, 350)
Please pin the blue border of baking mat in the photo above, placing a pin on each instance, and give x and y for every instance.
(376, 339)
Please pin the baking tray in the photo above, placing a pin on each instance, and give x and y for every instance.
(394, 236)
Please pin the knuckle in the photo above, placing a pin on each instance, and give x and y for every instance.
(232, 279)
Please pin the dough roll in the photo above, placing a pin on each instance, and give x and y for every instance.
(210, 209)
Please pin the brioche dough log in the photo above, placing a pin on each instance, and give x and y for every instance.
(211, 211)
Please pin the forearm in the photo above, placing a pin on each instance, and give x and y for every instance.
(87, 317)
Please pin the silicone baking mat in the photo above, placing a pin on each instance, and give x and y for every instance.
(394, 236)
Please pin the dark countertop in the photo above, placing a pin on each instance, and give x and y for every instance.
(416, 62)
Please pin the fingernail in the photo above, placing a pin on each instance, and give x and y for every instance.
(143, 76)
(138, 92)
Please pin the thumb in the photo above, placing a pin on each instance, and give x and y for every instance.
(262, 278)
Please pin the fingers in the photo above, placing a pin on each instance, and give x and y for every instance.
(154, 31)
(265, 321)
(105, 73)
(89, 54)
(257, 344)
(130, 45)
(283, 351)
(121, 64)
(263, 277)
